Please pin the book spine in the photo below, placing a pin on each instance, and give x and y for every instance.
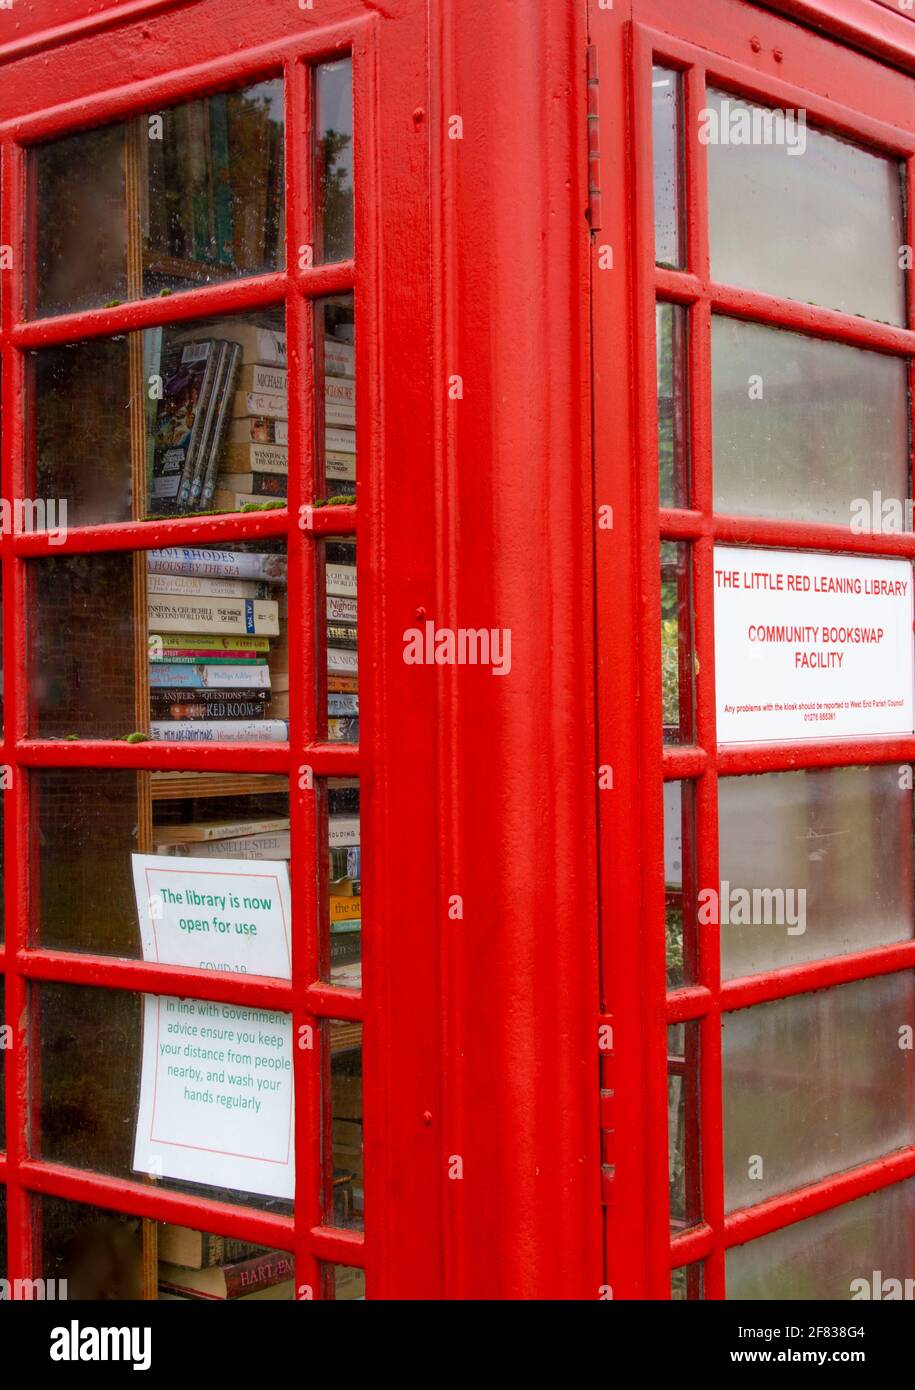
(258, 429)
(256, 403)
(203, 427)
(216, 709)
(339, 440)
(224, 564)
(341, 610)
(264, 381)
(340, 580)
(253, 617)
(239, 648)
(226, 392)
(182, 585)
(256, 458)
(342, 831)
(174, 676)
(220, 731)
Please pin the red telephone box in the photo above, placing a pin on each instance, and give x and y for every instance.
(468, 315)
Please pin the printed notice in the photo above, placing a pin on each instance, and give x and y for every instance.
(812, 645)
(216, 1094)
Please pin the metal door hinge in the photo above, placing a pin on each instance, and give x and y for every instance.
(594, 189)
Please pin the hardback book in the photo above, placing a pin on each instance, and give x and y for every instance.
(342, 830)
(187, 377)
(188, 586)
(272, 1292)
(338, 440)
(255, 458)
(200, 1249)
(265, 381)
(341, 610)
(221, 564)
(339, 402)
(258, 429)
(231, 707)
(227, 1280)
(340, 580)
(259, 403)
(220, 730)
(342, 659)
(263, 346)
(339, 358)
(249, 616)
(198, 832)
(261, 484)
(341, 635)
(276, 846)
(209, 676)
(340, 467)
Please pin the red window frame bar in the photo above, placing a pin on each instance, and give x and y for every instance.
(310, 1002)
(640, 1250)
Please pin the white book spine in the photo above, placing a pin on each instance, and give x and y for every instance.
(220, 730)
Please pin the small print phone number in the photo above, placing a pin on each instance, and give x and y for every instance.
(819, 715)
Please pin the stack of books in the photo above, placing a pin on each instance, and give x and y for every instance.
(220, 436)
(197, 1265)
(339, 407)
(341, 633)
(345, 885)
(265, 837)
(218, 667)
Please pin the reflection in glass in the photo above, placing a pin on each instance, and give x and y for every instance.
(827, 1256)
(841, 248)
(167, 201)
(683, 1124)
(680, 882)
(334, 159)
(834, 845)
(344, 1169)
(815, 1084)
(335, 404)
(677, 677)
(342, 881)
(802, 426)
(673, 437)
(668, 156)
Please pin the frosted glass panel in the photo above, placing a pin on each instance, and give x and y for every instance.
(820, 222)
(815, 1084)
(802, 426)
(820, 1257)
(665, 103)
(842, 837)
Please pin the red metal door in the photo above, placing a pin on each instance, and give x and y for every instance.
(757, 1112)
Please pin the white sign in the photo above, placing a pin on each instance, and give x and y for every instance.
(810, 645)
(216, 1092)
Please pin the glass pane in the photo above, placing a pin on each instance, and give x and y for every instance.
(833, 1255)
(197, 1095)
(803, 427)
(840, 247)
(683, 1124)
(340, 670)
(673, 438)
(344, 1202)
(334, 159)
(336, 402)
(686, 1283)
(813, 864)
(668, 156)
(341, 883)
(680, 882)
(168, 201)
(90, 825)
(677, 676)
(208, 432)
(815, 1084)
(202, 1266)
(213, 646)
(345, 1282)
(90, 1254)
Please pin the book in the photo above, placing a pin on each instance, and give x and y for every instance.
(187, 374)
(227, 1281)
(265, 381)
(341, 467)
(224, 564)
(210, 676)
(277, 846)
(205, 480)
(208, 403)
(342, 682)
(260, 484)
(194, 708)
(196, 832)
(339, 358)
(176, 656)
(341, 635)
(342, 659)
(340, 580)
(181, 1245)
(342, 704)
(220, 731)
(258, 429)
(235, 648)
(342, 730)
(259, 344)
(257, 403)
(168, 1293)
(250, 616)
(342, 830)
(339, 401)
(188, 585)
(341, 610)
(255, 458)
(340, 441)
(343, 909)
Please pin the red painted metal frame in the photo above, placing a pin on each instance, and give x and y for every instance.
(793, 68)
(310, 1002)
